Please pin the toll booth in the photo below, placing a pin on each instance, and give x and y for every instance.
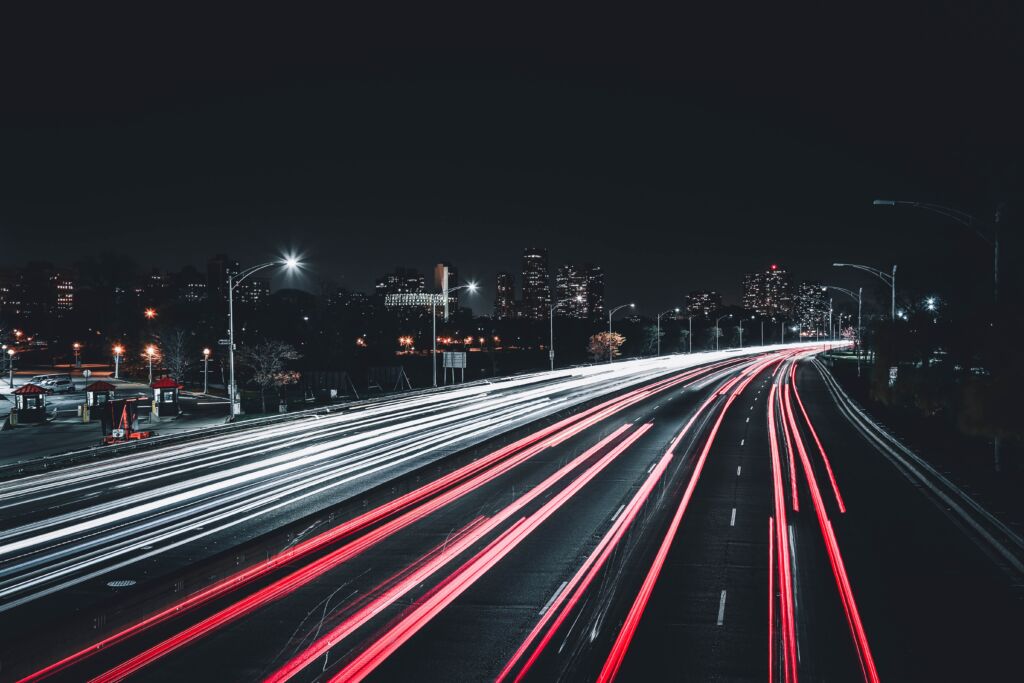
(119, 420)
(96, 394)
(165, 397)
(29, 404)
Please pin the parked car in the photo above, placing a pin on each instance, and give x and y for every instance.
(60, 384)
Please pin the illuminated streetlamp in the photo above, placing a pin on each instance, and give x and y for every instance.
(10, 366)
(718, 331)
(150, 352)
(78, 354)
(610, 314)
(551, 325)
(149, 313)
(671, 310)
(290, 263)
(118, 351)
(471, 286)
(884, 277)
(206, 370)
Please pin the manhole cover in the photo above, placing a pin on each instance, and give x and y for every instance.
(120, 583)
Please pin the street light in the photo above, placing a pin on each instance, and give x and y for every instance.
(967, 220)
(671, 310)
(118, 350)
(551, 322)
(78, 354)
(10, 366)
(471, 286)
(206, 370)
(884, 277)
(741, 331)
(858, 297)
(150, 352)
(718, 331)
(290, 263)
(612, 312)
(150, 313)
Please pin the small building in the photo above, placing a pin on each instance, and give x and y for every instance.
(165, 397)
(29, 404)
(98, 393)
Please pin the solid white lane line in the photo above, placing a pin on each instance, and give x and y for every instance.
(748, 419)
(732, 520)
(742, 441)
(721, 609)
(739, 468)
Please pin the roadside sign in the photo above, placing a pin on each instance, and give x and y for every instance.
(455, 359)
(87, 373)
(223, 342)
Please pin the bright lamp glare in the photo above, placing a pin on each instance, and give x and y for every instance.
(471, 286)
(291, 262)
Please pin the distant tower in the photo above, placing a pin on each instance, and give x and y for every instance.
(505, 297)
(536, 286)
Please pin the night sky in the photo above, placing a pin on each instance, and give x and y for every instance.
(676, 151)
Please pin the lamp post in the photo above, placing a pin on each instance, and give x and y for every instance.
(206, 371)
(291, 263)
(10, 367)
(884, 277)
(77, 348)
(671, 310)
(551, 325)
(433, 317)
(762, 331)
(118, 350)
(964, 219)
(612, 312)
(718, 331)
(741, 331)
(150, 352)
(689, 332)
(858, 297)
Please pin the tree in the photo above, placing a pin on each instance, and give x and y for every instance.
(650, 339)
(684, 339)
(605, 345)
(176, 352)
(267, 361)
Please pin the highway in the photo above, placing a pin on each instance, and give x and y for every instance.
(707, 517)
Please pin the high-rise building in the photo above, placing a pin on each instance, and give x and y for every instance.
(811, 304)
(753, 291)
(505, 296)
(453, 282)
(769, 293)
(252, 292)
(189, 285)
(401, 281)
(581, 287)
(536, 285)
(703, 302)
(571, 289)
(595, 291)
(64, 292)
(217, 270)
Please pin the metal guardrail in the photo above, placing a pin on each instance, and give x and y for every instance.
(998, 540)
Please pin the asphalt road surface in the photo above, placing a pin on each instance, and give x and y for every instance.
(732, 519)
